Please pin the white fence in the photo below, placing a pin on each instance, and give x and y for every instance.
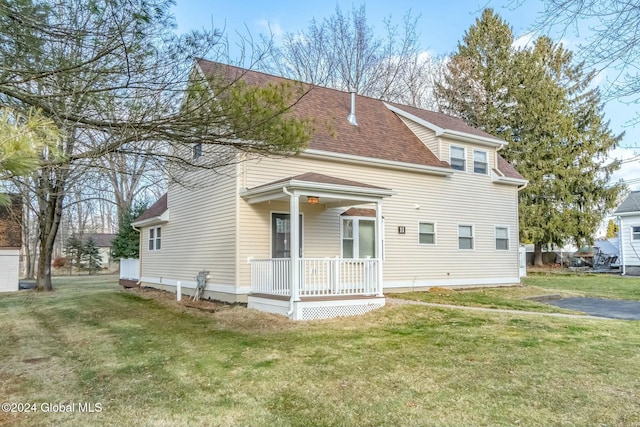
(129, 269)
(317, 276)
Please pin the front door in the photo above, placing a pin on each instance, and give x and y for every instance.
(281, 235)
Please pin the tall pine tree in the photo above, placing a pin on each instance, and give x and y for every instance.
(539, 101)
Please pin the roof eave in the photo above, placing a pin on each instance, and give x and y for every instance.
(389, 164)
(460, 136)
(154, 220)
(301, 188)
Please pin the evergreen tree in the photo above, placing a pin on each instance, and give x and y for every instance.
(127, 242)
(539, 101)
(74, 250)
(91, 256)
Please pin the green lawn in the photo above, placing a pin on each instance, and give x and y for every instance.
(535, 285)
(151, 363)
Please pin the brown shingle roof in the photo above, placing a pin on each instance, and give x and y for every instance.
(380, 133)
(507, 169)
(444, 121)
(102, 240)
(322, 179)
(157, 209)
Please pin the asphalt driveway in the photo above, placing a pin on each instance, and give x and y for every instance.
(600, 307)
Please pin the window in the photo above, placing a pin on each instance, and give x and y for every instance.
(635, 233)
(427, 233)
(358, 238)
(457, 158)
(502, 238)
(480, 162)
(281, 235)
(197, 150)
(155, 239)
(465, 237)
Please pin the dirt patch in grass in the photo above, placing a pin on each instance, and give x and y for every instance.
(233, 317)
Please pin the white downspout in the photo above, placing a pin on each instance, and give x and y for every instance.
(379, 232)
(293, 235)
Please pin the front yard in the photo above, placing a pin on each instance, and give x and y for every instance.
(152, 362)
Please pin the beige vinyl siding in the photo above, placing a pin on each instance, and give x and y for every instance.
(427, 136)
(200, 233)
(460, 199)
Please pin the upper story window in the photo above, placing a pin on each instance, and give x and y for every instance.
(197, 150)
(465, 237)
(480, 164)
(155, 239)
(427, 233)
(457, 158)
(635, 233)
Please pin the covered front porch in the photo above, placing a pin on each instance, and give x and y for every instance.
(348, 282)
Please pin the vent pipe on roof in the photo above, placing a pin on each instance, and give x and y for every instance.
(351, 118)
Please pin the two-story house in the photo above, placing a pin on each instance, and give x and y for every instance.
(388, 198)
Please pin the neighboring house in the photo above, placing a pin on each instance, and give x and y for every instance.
(628, 215)
(10, 244)
(405, 200)
(103, 242)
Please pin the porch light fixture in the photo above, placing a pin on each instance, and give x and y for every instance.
(313, 200)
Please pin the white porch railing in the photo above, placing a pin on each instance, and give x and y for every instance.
(317, 276)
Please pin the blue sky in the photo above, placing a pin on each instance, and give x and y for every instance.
(441, 26)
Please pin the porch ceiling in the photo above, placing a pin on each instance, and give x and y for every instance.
(332, 191)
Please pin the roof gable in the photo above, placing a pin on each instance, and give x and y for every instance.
(630, 204)
(156, 210)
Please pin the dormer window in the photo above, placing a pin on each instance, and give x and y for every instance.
(458, 158)
(480, 164)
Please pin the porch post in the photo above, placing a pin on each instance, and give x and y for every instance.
(379, 231)
(294, 235)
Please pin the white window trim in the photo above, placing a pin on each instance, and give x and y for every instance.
(486, 157)
(473, 236)
(356, 231)
(155, 239)
(464, 157)
(435, 233)
(495, 238)
(631, 227)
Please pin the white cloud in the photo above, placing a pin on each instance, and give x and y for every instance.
(272, 28)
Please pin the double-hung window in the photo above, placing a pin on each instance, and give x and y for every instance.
(457, 155)
(358, 237)
(155, 239)
(502, 238)
(480, 164)
(635, 233)
(465, 237)
(427, 233)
